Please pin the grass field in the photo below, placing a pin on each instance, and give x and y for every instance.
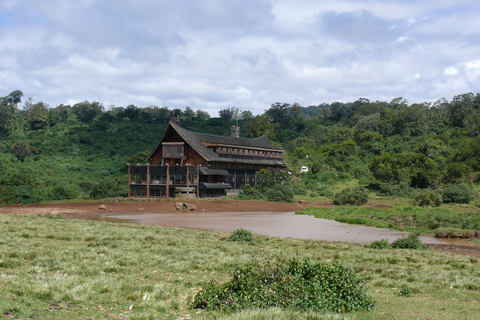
(55, 268)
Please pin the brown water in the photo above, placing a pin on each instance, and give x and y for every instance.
(277, 224)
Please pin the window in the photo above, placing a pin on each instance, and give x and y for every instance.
(173, 150)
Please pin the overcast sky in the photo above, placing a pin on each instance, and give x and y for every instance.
(211, 54)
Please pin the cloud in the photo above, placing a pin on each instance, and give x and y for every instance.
(213, 53)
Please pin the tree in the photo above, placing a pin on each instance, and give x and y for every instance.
(20, 150)
(188, 114)
(202, 115)
(262, 125)
(86, 111)
(229, 114)
(37, 115)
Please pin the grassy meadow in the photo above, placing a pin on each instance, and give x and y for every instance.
(56, 268)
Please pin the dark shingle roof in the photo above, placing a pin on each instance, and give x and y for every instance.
(195, 141)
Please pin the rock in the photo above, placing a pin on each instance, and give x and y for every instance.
(102, 207)
(302, 201)
(178, 206)
(189, 206)
(140, 209)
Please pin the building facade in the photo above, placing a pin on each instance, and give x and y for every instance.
(201, 165)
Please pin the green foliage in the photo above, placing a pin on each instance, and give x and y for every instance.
(352, 196)
(109, 187)
(427, 197)
(401, 189)
(379, 244)
(281, 193)
(410, 242)
(288, 284)
(241, 235)
(404, 291)
(20, 150)
(457, 194)
(250, 193)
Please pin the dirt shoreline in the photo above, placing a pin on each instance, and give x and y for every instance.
(86, 209)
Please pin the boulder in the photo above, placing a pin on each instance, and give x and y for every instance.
(102, 207)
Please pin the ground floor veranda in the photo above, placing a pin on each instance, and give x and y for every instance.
(189, 181)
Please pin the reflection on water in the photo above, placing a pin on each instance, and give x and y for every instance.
(277, 224)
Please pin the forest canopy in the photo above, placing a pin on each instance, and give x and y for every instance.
(80, 151)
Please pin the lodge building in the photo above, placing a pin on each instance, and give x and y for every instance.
(201, 165)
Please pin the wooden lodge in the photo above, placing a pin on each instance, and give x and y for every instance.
(201, 165)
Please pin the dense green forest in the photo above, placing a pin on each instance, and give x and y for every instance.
(395, 148)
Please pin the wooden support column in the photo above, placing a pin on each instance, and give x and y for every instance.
(198, 181)
(245, 177)
(129, 181)
(235, 179)
(167, 190)
(148, 180)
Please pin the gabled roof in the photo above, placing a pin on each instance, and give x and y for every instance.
(196, 140)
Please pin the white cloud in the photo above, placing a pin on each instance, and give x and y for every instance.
(213, 53)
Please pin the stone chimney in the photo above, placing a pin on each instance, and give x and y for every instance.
(235, 131)
(175, 120)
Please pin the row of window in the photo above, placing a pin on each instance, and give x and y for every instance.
(162, 179)
(247, 152)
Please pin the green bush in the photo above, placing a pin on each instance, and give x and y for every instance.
(457, 194)
(379, 244)
(249, 192)
(281, 193)
(427, 197)
(299, 189)
(241, 235)
(288, 284)
(391, 190)
(353, 196)
(410, 242)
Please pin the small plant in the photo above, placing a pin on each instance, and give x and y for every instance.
(410, 242)
(404, 292)
(427, 197)
(241, 235)
(379, 244)
(353, 196)
(457, 194)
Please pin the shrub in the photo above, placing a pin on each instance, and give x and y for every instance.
(241, 235)
(457, 194)
(249, 192)
(389, 190)
(354, 196)
(281, 193)
(427, 197)
(288, 284)
(410, 242)
(379, 244)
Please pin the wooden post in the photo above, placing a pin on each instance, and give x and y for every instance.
(245, 176)
(167, 194)
(129, 181)
(235, 179)
(198, 181)
(148, 180)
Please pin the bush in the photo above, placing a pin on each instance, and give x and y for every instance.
(457, 194)
(353, 196)
(427, 197)
(282, 193)
(410, 242)
(241, 235)
(379, 244)
(288, 284)
(391, 190)
(249, 192)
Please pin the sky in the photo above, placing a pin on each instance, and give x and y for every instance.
(213, 54)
